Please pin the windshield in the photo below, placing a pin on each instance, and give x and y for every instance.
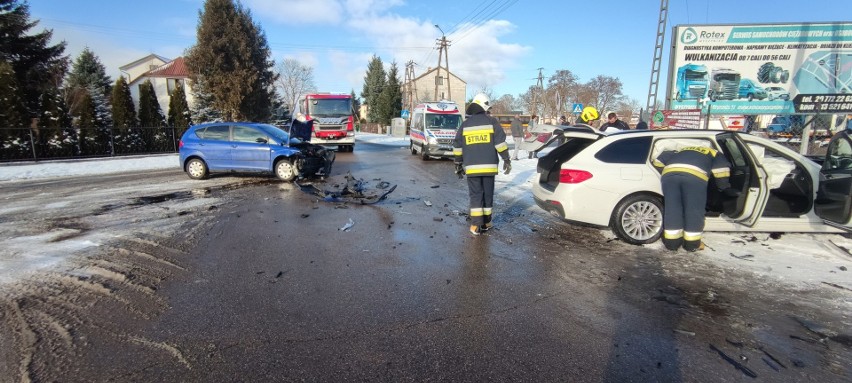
(274, 132)
(443, 121)
(726, 77)
(330, 107)
(693, 75)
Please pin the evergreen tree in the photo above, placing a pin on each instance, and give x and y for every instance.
(14, 138)
(150, 113)
(391, 97)
(231, 63)
(356, 106)
(179, 111)
(374, 82)
(56, 138)
(87, 72)
(152, 121)
(37, 66)
(202, 107)
(127, 135)
(94, 124)
(123, 111)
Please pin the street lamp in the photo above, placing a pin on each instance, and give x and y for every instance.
(439, 28)
(442, 52)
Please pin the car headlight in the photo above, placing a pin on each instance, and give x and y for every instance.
(433, 141)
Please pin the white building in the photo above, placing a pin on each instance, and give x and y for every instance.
(164, 75)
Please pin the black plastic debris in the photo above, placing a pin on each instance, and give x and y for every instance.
(744, 257)
(352, 191)
(739, 366)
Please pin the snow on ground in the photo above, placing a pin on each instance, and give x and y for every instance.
(804, 260)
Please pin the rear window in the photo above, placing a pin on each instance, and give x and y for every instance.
(627, 151)
(550, 164)
(217, 133)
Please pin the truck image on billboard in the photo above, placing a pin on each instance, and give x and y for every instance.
(761, 68)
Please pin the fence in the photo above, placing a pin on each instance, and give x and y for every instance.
(26, 144)
(805, 134)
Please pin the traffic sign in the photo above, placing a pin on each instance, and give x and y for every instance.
(578, 108)
(404, 113)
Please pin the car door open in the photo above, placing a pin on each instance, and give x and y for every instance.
(834, 195)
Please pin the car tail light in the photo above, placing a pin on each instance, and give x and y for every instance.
(571, 176)
(349, 124)
(180, 144)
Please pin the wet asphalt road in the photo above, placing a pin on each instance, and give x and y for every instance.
(264, 286)
(277, 292)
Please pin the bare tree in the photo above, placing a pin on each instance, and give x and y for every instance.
(628, 107)
(607, 92)
(294, 79)
(562, 87)
(504, 105)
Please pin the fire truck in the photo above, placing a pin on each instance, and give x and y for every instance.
(333, 119)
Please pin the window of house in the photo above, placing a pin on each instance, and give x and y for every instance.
(171, 84)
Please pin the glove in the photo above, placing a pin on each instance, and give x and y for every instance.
(507, 166)
(731, 192)
(459, 170)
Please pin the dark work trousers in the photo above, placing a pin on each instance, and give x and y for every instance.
(685, 197)
(481, 190)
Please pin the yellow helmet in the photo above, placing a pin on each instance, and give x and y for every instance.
(589, 114)
(482, 100)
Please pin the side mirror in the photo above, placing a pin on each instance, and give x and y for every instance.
(261, 140)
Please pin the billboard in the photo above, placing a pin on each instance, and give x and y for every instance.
(761, 68)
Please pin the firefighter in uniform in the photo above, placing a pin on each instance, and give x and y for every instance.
(478, 142)
(686, 173)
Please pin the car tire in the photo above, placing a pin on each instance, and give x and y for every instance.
(424, 153)
(285, 170)
(638, 219)
(750, 97)
(196, 169)
(413, 151)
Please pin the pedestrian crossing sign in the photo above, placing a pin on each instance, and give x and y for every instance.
(578, 108)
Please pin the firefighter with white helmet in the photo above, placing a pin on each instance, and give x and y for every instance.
(478, 143)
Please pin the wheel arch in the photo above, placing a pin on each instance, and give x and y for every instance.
(193, 157)
(615, 226)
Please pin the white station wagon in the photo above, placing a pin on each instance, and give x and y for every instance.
(608, 180)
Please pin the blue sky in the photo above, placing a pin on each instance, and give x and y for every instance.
(499, 44)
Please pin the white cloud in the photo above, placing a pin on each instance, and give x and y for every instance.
(479, 57)
(304, 58)
(370, 7)
(347, 71)
(297, 11)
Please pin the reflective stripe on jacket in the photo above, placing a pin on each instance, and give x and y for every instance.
(699, 161)
(478, 142)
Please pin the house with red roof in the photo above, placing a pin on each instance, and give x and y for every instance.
(164, 75)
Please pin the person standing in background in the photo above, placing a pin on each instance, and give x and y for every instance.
(517, 134)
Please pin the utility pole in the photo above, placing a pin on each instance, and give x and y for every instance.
(410, 86)
(658, 57)
(538, 85)
(443, 52)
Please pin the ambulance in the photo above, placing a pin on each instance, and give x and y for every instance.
(433, 129)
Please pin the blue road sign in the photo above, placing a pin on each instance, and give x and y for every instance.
(578, 108)
(404, 113)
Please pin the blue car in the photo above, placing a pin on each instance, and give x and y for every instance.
(250, 147)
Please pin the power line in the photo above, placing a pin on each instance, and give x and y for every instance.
(490, 16)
